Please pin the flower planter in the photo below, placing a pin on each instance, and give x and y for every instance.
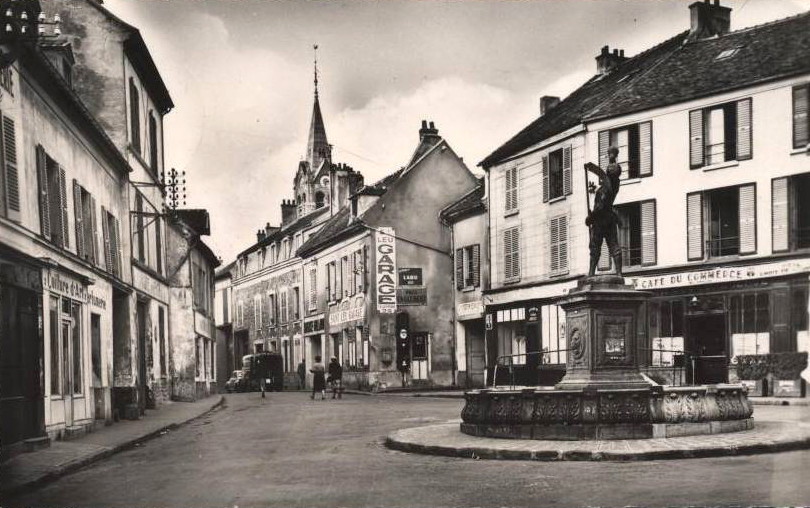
(789, 387)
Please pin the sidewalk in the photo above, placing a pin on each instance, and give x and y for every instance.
(29, 470)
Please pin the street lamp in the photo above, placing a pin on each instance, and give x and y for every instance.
(23, 22)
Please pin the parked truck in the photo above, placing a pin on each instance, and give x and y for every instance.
(269, 366)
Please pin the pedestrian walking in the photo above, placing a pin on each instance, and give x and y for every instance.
(302, 375)
(318, 379)
(336, 378)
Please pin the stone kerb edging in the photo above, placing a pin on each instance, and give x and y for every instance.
(447, 440)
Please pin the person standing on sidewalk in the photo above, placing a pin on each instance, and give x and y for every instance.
(318, 379)
(302, 375)
(336, 378)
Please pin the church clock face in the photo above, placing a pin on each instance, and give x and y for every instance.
(325, 181)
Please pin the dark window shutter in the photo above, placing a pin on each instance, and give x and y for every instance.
(780, 236)
(696, 149)
(730, 131)
(135, 116)
(801, 121)
(94, 231)
(545, 179)
(117, 247)
(633, 152)
(567, 170)
(604, 144)
(648, 238)
(158, 246)
(694, 226)
(645, 167)
(63, 205)
(476, 265)
(744, 129)
(459, 268)
(12, 176)
(748, 219)
(365, 268)
(44, 199)
(105, 228)
(78, 218)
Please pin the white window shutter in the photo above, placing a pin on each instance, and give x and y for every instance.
(554, 244)
(567, 170)
(748, 219)
(12, 176)
(779, 215)
(545, 179)
(744, 148)
(476, 265)
(516, 252)
(459, 268)
(562, 225)
(507, 257)
(604, 144)
(694, 226)
(696, 149)
(648, 239)
(800, 118)
(645, 149)
(63, 205)
(105, 228)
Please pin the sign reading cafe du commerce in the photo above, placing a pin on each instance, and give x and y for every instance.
(385, 250)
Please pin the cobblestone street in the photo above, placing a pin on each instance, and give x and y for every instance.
(289, 451)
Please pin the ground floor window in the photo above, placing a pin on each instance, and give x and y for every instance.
(512, 343)
(65, 337)
(552, 334)
(750, 323)
(198, 357)
(667, 319)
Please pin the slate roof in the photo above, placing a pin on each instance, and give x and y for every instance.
(766, 52)
(225, 271)
(301, 223)
(196, 218)
(571, 110)
(466, 204)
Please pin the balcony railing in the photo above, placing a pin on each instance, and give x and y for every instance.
(723, 246)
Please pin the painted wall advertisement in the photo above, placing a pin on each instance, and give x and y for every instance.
(386, 260)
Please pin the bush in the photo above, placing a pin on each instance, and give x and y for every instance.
(752, 367)
(780, 365)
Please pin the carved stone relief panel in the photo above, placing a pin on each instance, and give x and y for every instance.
(577, 324)
(614, 339)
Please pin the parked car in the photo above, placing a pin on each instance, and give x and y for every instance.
(267, 365)
(232, 384)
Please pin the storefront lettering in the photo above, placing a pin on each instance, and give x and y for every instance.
(386, 269)
(153, 287)
(53, 281)
(469, 310)
(717, 275)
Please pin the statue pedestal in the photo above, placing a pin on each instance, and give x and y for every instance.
(602, 323)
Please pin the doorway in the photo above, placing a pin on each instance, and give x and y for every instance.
(142, 312)
(476, 355)
(707, 341)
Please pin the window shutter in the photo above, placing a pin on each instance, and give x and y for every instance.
(94, 232)
(105, 229)
(44, 199)
(364, 269)
(694, 226)
(562, 225)
(554, 244)
(511, 190)
(645, 149)
(648, 239)
(516, 252)
(63, 203)
(744, 149)
(567, 170)
(459, 268)
(78, 218)
(696, 139)
(545, 179)
(12, 179)
(604, 258)
(779, 215)
(117, 247)
(800, 119)
(748, 219)
(604, 144)
(476, 265)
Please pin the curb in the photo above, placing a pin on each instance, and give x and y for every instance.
(551, 455)
(73, 466)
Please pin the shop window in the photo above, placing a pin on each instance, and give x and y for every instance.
(76, 349)
(552, 334)
(95, 351)
(512, 343)
(54, 325)
(198, 357)
(749, 323)
(352, 348)
(790, 213)
(669, 340)
(635, 149)
(162, 340)
(419, 350)
(556, 174)
(800, 319)
(720, 133)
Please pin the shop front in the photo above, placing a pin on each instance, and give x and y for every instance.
(22, 414)
(348, 340)
(470, 342)
(700, 321)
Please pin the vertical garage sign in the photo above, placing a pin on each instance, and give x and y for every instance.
(386, 270)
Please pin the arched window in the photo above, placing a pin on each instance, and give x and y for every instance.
(134, 115)
(319, 199)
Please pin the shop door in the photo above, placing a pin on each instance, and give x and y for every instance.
(67, 371)
(21, 411)
(142, 311)
(707, 336)
(476, 355)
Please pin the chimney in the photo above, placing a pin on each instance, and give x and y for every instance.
(428, 134)
(708, 20)
(288, 212)
(547, 102)
(269, 230)
(607, 61)
(260, 235)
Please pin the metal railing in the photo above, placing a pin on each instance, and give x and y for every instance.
(723, 246)
(511, 364)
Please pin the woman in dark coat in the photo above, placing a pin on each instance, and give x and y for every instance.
(318, 379)
(335, 378)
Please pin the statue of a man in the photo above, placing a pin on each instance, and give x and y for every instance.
(602, 220)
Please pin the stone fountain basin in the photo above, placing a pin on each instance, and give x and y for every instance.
(638, 413)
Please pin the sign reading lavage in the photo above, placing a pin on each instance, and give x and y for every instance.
(386, 270)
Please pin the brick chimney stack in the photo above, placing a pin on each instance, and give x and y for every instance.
(288, 212)
(428, 134)
(547, 102)
(260, 235)
(708, 20)
(269, 230)
(607, 61)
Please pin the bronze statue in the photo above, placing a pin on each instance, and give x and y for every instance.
(602, 220)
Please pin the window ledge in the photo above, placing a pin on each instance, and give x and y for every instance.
(509, 213)
(631, 181)
(468, 289)
(513, 280)
(557, 199)
(721, 165)
(558, 274)
(799, 151)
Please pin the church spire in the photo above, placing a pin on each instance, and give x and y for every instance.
(318, 147)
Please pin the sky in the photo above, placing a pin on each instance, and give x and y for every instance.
(240, 73)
